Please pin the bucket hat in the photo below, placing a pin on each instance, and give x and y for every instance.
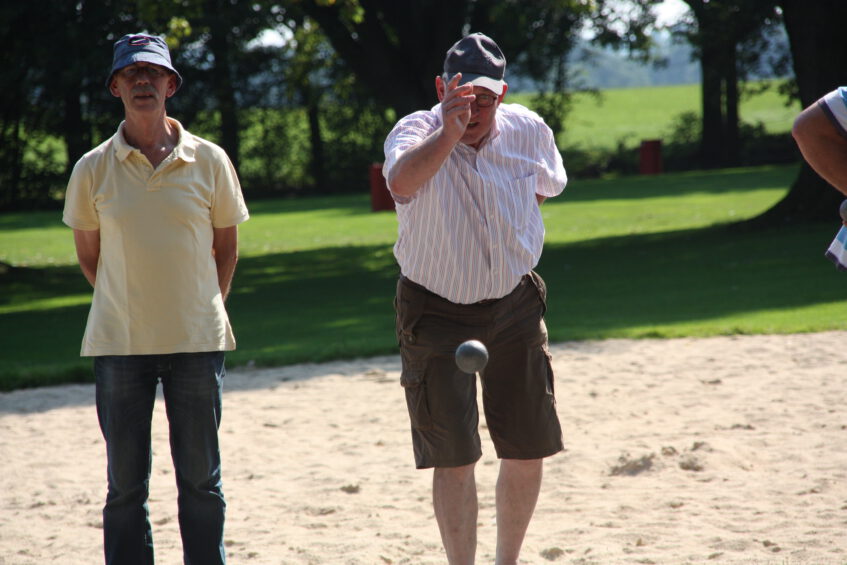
(136, 47)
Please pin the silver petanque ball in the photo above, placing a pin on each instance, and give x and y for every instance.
(471, 356)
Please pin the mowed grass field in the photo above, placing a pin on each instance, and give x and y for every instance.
(633, 114)
(638, 257)
(632, 257)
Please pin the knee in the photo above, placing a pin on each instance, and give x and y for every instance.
(527, 467)
(198, 475)
(460, 473)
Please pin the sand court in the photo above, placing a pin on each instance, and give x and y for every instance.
(716, 450)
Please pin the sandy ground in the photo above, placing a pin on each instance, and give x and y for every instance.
(720, 450)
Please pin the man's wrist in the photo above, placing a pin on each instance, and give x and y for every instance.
(447, 139)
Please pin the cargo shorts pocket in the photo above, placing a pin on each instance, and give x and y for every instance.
(409, 307)
(541, 287)
(408, 310)
(412, 379)
(551, 379)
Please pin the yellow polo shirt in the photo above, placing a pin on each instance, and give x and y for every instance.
(157, 286)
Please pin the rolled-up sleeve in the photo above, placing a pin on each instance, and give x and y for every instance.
(80, 211)
(553, 177)
(408, 132)
(229, 208)
(834, 106)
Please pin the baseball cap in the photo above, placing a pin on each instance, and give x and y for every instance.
(136, 47)
(479, 60)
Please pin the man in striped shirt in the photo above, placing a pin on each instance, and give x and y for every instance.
(468, 177)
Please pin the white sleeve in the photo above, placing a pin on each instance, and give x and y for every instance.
(555, 177)
(835, 105)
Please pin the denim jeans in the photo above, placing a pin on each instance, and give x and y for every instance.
(126, 390)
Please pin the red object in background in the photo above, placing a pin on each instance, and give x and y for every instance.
(650, 162)
(380, 197)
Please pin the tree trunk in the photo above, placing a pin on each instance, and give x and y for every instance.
(12, 157)
(732, 141)
(819, 53)
(223, 82)
(711, 144)
(317, 164)
(397, 49)
(77, 142)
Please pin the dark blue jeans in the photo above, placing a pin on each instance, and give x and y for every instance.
(126, 390)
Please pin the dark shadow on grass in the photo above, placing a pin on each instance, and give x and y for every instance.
(336, 303)
(301, 307)
(40, 346)
(10, 221)
(601, 288)
(313, 306)
(20, 285)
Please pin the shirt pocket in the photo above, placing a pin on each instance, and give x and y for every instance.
(520, 201)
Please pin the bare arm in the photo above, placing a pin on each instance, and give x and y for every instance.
(420, 163)
(225, 251)
(822, 145)
(87, 244)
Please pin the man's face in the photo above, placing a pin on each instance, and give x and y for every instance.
(483, 112)
(143, 86)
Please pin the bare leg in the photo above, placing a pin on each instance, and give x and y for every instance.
(456, 509)
(517, 492)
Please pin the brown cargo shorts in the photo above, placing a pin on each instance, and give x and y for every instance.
(517, 383)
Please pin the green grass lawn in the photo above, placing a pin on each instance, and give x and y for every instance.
(630, 115)
(631, 257)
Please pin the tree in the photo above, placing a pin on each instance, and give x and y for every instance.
(216, 34)
(397, 48)
(819, 55)
(54, 87)
(723, 33)
(310, 64)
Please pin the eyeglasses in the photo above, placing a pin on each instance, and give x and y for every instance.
(485, 100)
(134, 71)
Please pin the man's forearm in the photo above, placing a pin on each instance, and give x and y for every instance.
(87, 243)
(420, 163)
(225, 250)
(226, 271)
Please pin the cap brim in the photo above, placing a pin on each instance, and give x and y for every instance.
(143, 57)
(492, 84)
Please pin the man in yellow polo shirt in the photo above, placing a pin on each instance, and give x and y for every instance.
(155, 212)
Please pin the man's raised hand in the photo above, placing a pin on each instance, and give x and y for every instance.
(455, 106)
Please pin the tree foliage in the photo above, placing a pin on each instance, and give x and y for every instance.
(343, 63)
(53, 87)
(398, 48)
(730, 38)
(819, 55)
(347, 68)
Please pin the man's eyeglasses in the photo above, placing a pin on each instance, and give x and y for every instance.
(134, 71)
(485, 100)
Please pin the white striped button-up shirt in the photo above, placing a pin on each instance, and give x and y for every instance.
(474, 229)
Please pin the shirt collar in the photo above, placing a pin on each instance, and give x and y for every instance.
(495, 131)
(186, 145)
